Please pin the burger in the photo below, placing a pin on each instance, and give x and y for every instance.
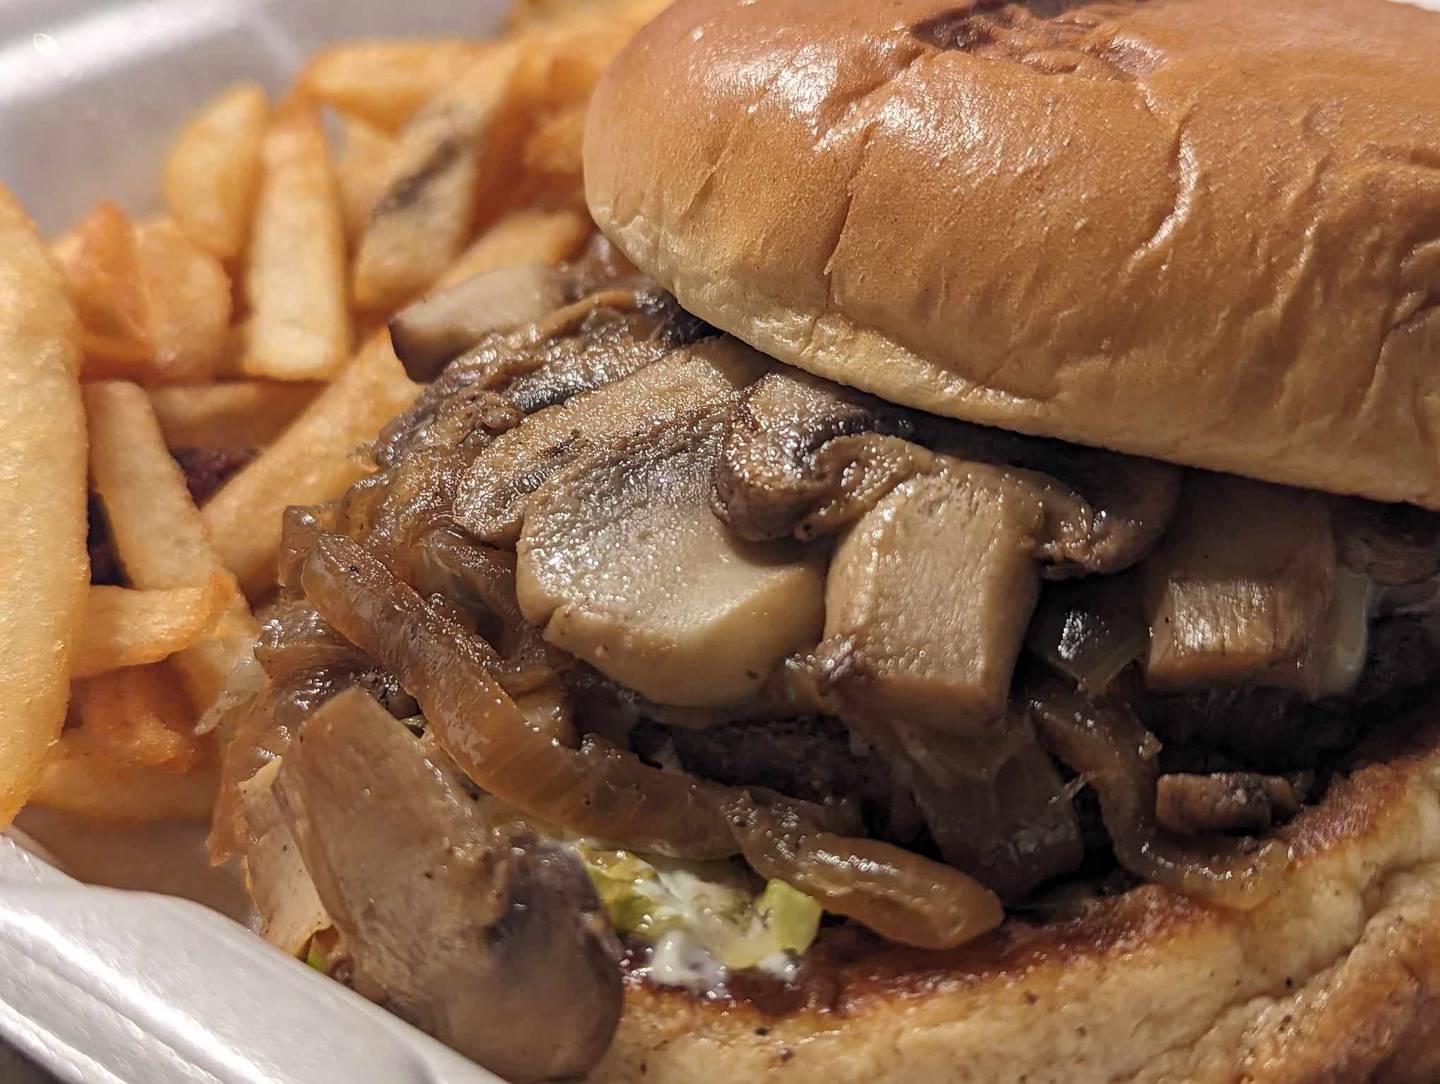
(944, 589)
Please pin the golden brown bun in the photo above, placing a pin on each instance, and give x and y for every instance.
(1335, 979)
(1203, 231)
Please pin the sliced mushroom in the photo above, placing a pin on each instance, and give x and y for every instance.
(1242, 582)
(1223, 802)
(488, 938)
(624, 565)
(435, 329)
(1335, 656)
(1104, 512)
(493, 495)
(506, 376)
(804, 456)
(769, 482)
(928, 598)
(286, 902)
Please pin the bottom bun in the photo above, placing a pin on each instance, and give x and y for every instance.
(1335, 978)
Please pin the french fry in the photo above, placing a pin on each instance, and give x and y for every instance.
(131, 754)
(187, 303)
(363, 164)
(100, 262)
(213, 170)
(124, 627)
(82, 782)
(42, 549)
(157, 530)
(235, 416)
(525, 236)
(385, 82)
(154, 306)
(312, 461)
(139, 717)
(299, 324)
(428, 206)
(553, 151)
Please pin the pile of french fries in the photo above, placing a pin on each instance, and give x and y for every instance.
(247, 318)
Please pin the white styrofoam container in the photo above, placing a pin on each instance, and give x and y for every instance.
(102, 978)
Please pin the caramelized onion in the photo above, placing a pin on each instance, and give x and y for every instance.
(1106, 744)
(897, 893)
(614, 797)
(295, 637)
(482, 581)
(1090, 629)
(300, 526)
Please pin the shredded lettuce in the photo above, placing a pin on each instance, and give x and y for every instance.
(719, 903)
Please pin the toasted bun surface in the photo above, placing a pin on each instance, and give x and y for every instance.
(1206, 231)
(1337, 978)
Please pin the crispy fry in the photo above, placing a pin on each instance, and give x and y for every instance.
(76, 781)
(157, 530)
(235, 416)
(553, 152)
(124, 627)
(154, 306)
(521, 237)
(363, 164)
(428, 206)
(42, 550)
(213, 170)
(132, 755)
(138, 717)
(299, 325)
(312, 461)
(187, 303)
(385, 82)
(100, 262)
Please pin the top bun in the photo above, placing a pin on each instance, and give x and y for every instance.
(1203, 231)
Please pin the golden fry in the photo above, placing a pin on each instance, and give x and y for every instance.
(553, 153)
(42, 549)
(123, 627)
(187, 300)
(386, 82)
(312, 461)
(137, 717)
(235, 416)
(521, 237)
(84, 780)
(213, 170)
(157, 530)
(364, 162)
(100, 262)
(153, 305)
(299, 324)
(427, 209)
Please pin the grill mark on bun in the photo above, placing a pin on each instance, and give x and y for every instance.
(1051, 37)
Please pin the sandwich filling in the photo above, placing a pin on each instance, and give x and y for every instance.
(687, 655)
